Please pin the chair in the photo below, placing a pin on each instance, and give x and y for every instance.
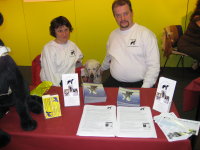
(36, 68)
(170, 38)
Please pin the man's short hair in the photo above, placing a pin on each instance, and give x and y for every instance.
(57, 22)
(121, 3)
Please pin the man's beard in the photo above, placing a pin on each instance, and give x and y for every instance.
(124, 26)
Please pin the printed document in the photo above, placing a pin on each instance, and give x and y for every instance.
(135, 122)
(98, 121)
(128, 122)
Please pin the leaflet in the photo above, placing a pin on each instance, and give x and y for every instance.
(164, 94)
(176, 129)
(71, 89)
(51, 106)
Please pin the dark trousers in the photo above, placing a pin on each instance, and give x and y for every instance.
(112, 82)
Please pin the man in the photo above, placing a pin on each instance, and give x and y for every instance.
(132, 51)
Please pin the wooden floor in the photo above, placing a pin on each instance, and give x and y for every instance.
(183, 76)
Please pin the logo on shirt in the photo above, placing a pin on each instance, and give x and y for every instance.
(72, 53)
(132, 42)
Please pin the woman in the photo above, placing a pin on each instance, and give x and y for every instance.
(189, 43)
(59, 56)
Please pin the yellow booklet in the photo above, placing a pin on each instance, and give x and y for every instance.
(51, 106)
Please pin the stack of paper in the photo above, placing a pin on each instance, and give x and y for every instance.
(175, 128)
(93, 93)
(128, 97)
(129, 122)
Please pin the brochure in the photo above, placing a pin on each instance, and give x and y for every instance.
(176, 129)
(71, 89)
(93, 93)
(128, 97)
(164, 94)
(51, 106)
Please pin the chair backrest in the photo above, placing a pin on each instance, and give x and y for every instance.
(36, 67)
(171, 35)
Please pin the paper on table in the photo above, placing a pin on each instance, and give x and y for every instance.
(158, 118)
(131, 122)
(135, 122)
(98, 121)
(177, 129)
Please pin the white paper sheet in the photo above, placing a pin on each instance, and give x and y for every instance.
(130, 122)
(98, 121)
(135, 122)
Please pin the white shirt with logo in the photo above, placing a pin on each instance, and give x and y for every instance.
(133, 55)
(58, 59)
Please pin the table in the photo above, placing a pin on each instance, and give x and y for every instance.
(191, 95)
(60, 133)
(191, 98)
